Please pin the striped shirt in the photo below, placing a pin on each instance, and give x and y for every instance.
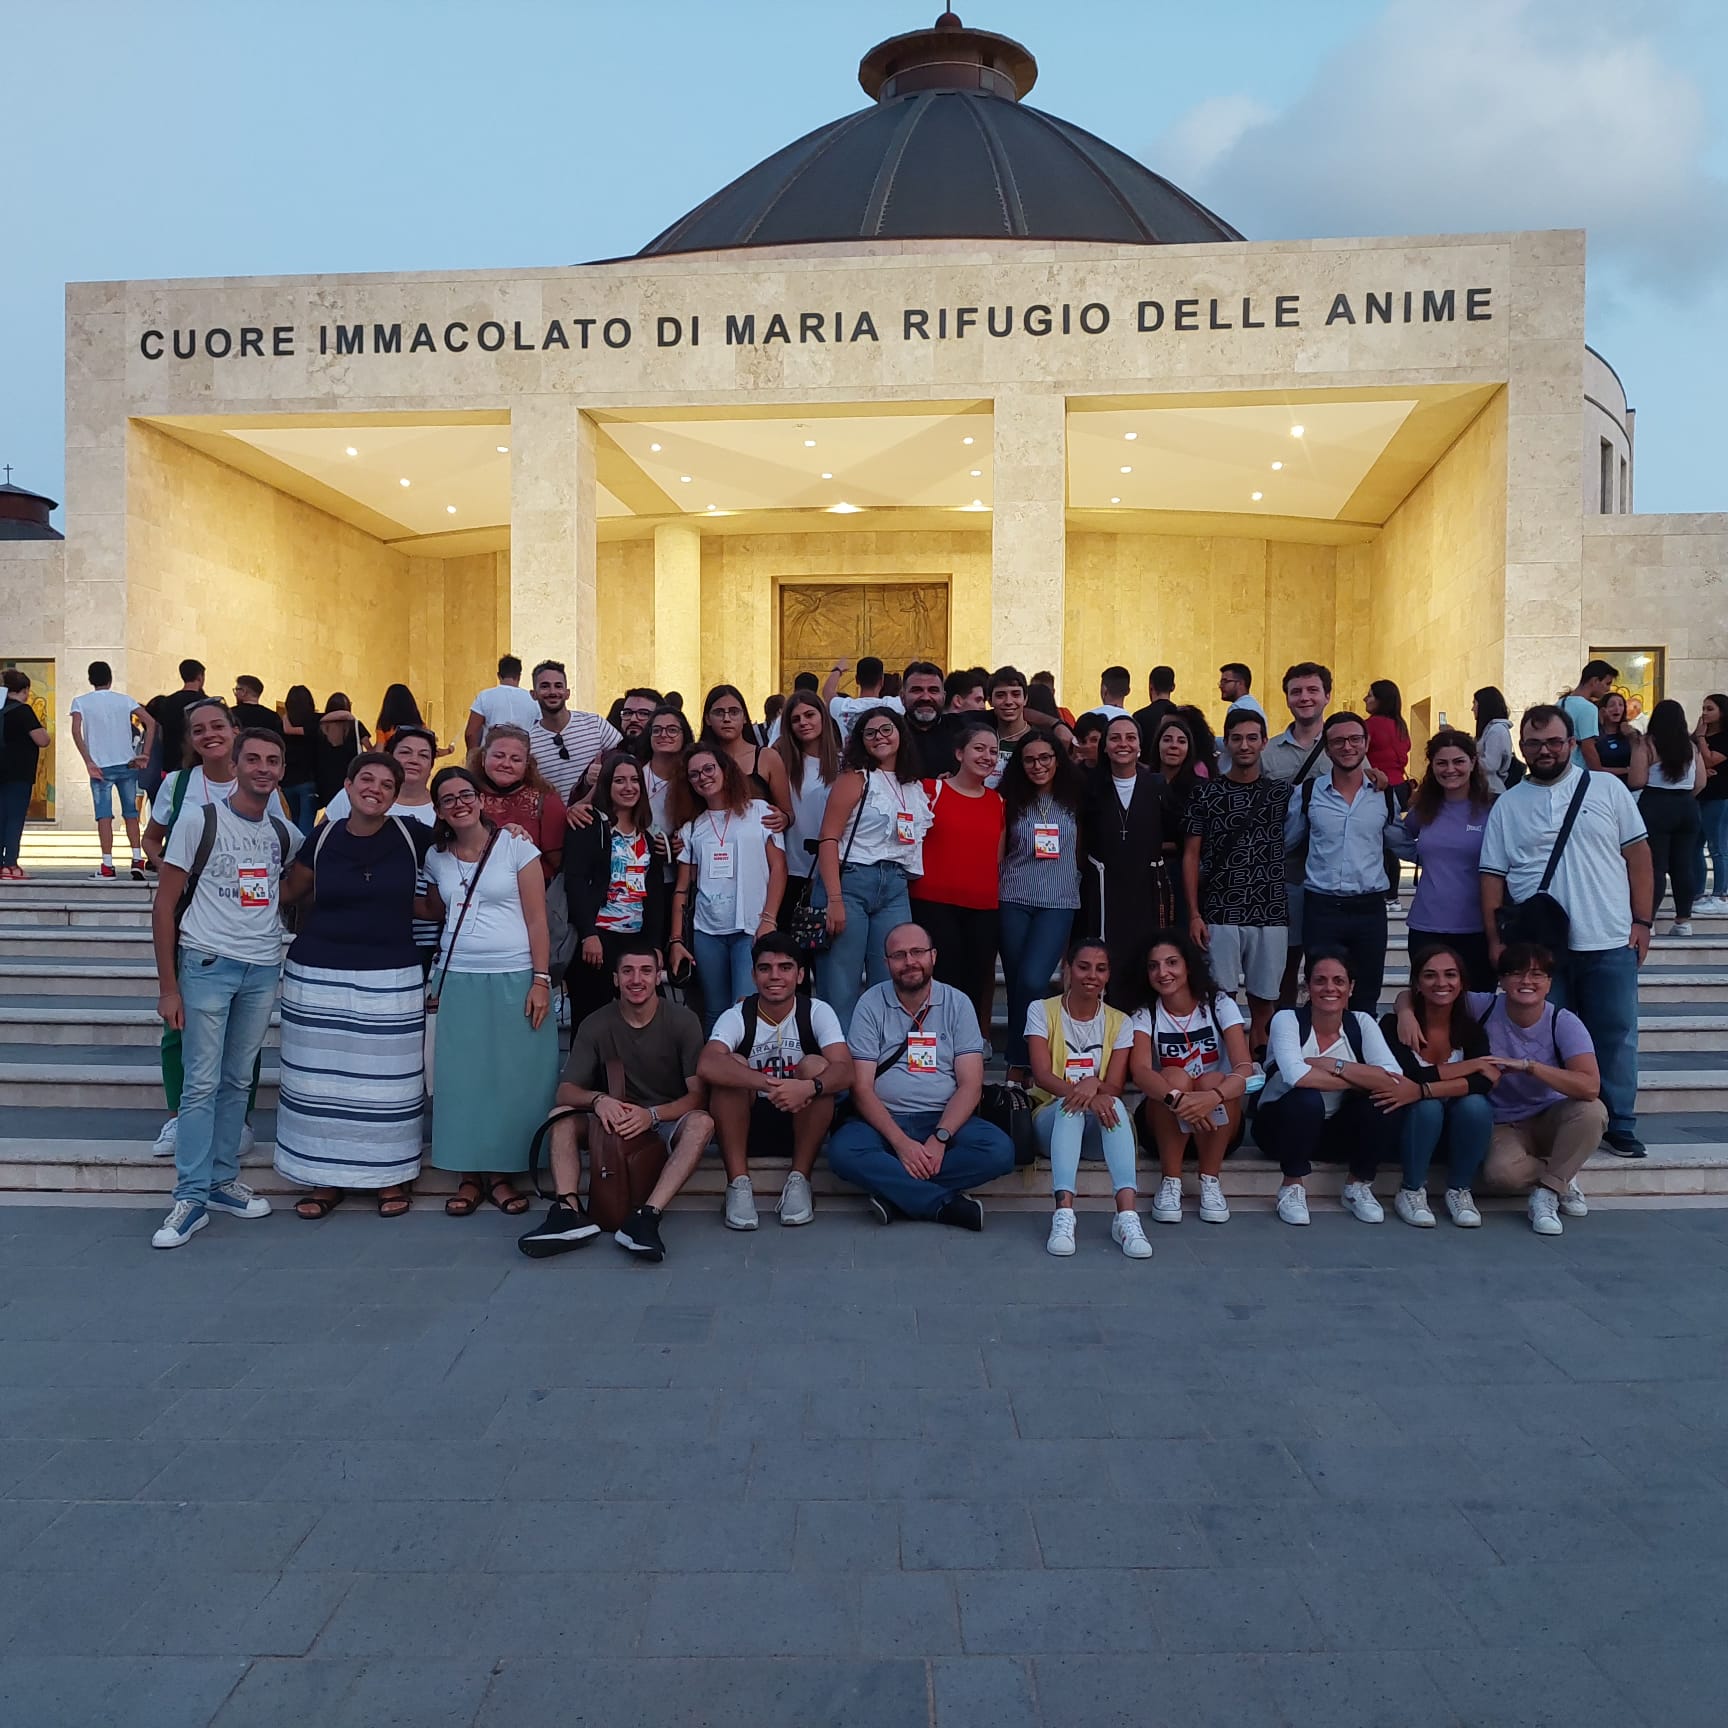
(584, 737)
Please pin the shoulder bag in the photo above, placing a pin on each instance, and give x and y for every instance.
(429, 1034)
(622, 1170)
(1542, 919)
(808, 925)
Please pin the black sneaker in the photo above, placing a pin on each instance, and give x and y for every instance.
(962, 1212)
(1624, 1145)
(641, 1234)
(880, 1211)
(563, 1228)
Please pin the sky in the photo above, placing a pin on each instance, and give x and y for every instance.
(179, 138)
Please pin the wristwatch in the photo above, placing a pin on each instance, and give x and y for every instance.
(943, 1136)
(1338, 1066)
(816, 1088)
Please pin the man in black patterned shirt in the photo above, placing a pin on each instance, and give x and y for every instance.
(1233, 869)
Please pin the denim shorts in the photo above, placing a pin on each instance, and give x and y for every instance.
(123, 780)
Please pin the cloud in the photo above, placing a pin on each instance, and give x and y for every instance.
(1470, 117)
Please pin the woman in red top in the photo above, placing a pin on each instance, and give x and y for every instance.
(1389, 754)
(514, 794)
(956, 899)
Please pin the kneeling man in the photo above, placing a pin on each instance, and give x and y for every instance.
(773, 1065)
(915, 1144)
(659, 1046)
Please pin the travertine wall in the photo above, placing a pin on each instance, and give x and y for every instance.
(1424, 602)
(1661, 582)
(250, 580)
(32, 600)
(627, 607)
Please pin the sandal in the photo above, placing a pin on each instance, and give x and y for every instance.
(393, 1202)
(466, 1199)
(513, 1204)
(320, 1204)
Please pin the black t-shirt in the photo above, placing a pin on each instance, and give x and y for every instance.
(256, 714)
(169, 712)
(1241, 829)
(1147, 719)
(935, 747)
(18, 750)
(360, 917)
(1716, 787)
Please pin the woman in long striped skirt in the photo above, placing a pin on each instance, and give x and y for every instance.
(352, 1092)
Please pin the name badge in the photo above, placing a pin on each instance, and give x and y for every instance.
(921, 1053)
(720, 864)
(1078, 1068)
(1046, 840)
(905, 828)
(1195, 1066)
(254, 887)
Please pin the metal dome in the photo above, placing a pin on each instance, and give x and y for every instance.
(949, 151)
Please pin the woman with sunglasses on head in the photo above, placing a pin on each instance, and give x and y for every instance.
(726, 725)
(1042, 791)
(731, 875)
(809, 749)
(495, 1064)
(514, 793)
(614, 880)
(869, 850)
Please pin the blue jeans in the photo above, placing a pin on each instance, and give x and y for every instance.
(1714, 815)
(1464, 1125)
(14, 807)
(978, 1153)
(723, 966)
(1600, 986)
(1034, 939)
(303, 802)
(228, 1005)
(1062, 1138)
(120, 781)
(874, 896)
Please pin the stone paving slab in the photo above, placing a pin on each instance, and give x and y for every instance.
(365, 1472)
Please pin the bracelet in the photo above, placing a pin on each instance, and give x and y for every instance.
(1645, 923)
(653, 1117)
(543, 978)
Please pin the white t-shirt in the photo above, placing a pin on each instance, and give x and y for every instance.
(235, 905)
(1192, 1042)
(339, 806)
(506, 705)
(107, 717)
(1663, 781)
(730, 857)
(847, 709)
(778, 1049)
(1082, 1041)
(809, 806)
(1109, 710)
(1590, 880)
(495, 935)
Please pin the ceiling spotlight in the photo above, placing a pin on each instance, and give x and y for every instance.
(502, 449)
(449, 509)
(809, 443)
(1277, 467)
(713, 506)
(655, 448)
(1130, 436)
(683, 479)
(1125, 470)
(965, 440)
(1297, 431)
(1258, 496)
(404, 482)
(352, 451)
(826, 475)
(1115, 500)
(844, 509)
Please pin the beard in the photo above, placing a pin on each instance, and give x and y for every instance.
(1546, 776)
(925, 713)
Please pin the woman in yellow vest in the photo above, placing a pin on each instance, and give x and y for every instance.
(1079, 1047)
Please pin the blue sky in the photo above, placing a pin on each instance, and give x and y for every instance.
(182, 139)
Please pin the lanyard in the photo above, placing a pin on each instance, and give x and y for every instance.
(718, 833)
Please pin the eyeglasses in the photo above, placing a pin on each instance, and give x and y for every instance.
(1043, 759)
(1553, 746)
(636, 713)
(1527, 972)
(733, 713)
(709, 772)
(879, 734)
(909, 953)
(458, 800)
(665, 731)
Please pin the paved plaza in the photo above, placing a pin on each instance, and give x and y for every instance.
(365, 1473)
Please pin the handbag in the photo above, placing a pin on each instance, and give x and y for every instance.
(622, 1170)
(808, 925)
(1541, 918)
(429, 1032)
(1007, 1105)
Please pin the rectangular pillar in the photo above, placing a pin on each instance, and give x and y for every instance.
(1028, 549)
(678, 607)
(554, 550)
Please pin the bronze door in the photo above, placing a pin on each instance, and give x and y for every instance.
(821, 623)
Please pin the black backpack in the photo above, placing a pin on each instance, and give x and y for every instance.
(750, 1008)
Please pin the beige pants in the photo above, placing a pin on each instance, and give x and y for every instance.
(1550, 1148)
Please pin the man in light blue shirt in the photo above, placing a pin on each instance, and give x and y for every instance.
(1581, 707)
(1348, 826)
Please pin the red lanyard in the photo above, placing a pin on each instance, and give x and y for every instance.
(719, 833)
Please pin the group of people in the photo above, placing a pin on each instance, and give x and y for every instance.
(788, 935)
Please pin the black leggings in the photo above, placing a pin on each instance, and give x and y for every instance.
(1296, 1130)
(965, 940)
(1675, 827)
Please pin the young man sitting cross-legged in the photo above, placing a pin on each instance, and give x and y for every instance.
(659, 1045)
(773, 1066)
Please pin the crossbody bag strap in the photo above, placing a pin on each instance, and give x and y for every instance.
(1566, 827)
(462, 917)
(857, 817)
(1313, 757)
(899, 1049)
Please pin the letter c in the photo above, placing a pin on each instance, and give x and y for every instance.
(144, 344)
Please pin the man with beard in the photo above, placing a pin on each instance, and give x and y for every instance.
(564, 740)
(922, 693)
(1579, 837)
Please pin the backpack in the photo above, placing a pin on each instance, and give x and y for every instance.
(207, 844)
(750, 1008)
(1299, 852)
(1352, 1029)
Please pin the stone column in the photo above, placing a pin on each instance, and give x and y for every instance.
(554, 552)
(678, 607)
(1028, 553)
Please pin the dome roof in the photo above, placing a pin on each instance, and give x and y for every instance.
(24, 514)
(949, 151)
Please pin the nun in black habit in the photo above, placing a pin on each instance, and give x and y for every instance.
(1124, 889)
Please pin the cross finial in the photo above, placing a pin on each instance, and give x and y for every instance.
(8, 473)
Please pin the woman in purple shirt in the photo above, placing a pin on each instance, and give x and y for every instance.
(1447, 815)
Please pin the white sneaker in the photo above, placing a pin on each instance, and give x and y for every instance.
(185, 1219)
(1680, 927)
(167, 1139)
(1461, 1204)
(238, 1201)
(1545, 1213)
(1213, 1209)
(1359, 1199)
(1573, 1203)
(740, 1204)
(248, 1140)
(1293, 1203)
(1167, 1202)
(1126, 1232)
(1412, 1206)
(1061, 1231)
(797, 1205)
